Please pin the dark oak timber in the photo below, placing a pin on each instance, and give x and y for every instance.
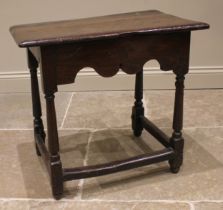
(104, 27)
(107, 44)
(43, 151)
(116, 53)
(53, 146)
(137, 109)
(115, 166)
(177, 141)
(155, 131)
(37, 112)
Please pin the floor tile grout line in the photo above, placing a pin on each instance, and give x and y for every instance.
(128, 128)
(192, 207)
(134, 205)
(206, 201)
(139, 201)
(37, 204)
(76, 129)
(64, 129)
(81, 182)
(16, 129)
(95, 129)
(111, 201)
(108, 128)
(66, 112)
(200, 127)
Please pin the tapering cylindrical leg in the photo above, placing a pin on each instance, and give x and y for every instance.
(177, 141)
(138, 109)
(37, 112)
(53, 146)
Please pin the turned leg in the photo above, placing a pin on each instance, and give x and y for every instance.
(53, 146)
(177, 141)
(137, 109)
(37, 113)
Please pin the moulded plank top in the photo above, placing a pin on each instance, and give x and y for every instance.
(111, 26)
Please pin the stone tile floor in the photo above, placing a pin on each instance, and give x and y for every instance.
(95, 127)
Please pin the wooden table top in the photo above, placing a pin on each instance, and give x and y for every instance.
(111, 26)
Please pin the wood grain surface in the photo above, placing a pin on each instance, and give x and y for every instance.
(51, 33)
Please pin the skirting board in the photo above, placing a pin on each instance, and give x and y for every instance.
(154, 79)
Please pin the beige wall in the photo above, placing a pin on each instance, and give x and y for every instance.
(207, 47)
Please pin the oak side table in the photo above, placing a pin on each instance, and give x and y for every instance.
(107, 44)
